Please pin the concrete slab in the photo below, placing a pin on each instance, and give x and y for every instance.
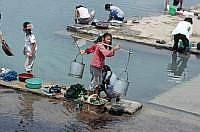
(130, 107)
(183, 97)
(147, 31)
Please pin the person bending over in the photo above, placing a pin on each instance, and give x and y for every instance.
(183, 31)
(82, 15)
(115, 12)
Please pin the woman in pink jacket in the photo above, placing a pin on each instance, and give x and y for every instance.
(100, 51)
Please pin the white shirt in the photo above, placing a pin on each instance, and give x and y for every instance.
(84, 13)
(29, 40)
(114, 10)
(184, 28)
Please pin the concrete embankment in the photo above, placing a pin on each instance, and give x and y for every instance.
(147, 31)
(129, 107)
(183, 97)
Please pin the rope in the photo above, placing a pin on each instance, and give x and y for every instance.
(126, 66)
(75, 42)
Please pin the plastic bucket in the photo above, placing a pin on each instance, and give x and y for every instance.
(77, 68)
(120, 85)
(23, 76)
(180, 44)
(172, 10)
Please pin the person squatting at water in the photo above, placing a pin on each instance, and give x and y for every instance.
(100, 50)
(82, 15)
(183, 31)
(175, 3)
(30, 46)
(115, 12)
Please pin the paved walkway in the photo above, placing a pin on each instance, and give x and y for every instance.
(185, 96)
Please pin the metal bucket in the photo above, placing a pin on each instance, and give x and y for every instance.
(121, 85)
(77, 68)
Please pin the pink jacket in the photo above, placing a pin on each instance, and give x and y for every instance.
(100, 52)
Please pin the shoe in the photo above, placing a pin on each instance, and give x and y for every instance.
(161, 41)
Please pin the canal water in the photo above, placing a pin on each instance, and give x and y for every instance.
(151, 71)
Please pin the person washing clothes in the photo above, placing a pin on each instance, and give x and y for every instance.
(115, 12)
(82, 15)
(100, 50)
(30, 46)
(183, 31)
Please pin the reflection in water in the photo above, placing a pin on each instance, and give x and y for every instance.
(177, 68)
(26, 109)
(26, 112)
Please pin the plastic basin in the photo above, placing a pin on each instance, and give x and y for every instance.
(172, 10)
(33, 83)
(23, 76)
(102, 25)
(116, 23)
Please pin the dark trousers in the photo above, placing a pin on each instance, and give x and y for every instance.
(176, 2)
(184, 40)
(118, 18)
(84, 21)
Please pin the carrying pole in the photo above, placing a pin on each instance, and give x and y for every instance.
(91, 40)
(121, 48)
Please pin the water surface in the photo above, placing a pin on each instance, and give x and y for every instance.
(151, 71)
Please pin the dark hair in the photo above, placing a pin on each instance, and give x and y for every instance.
(107, 6)
(27, 31)
(79, 6)
(99, 39)
(188, 19)
(25, 24)
(104, 36)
